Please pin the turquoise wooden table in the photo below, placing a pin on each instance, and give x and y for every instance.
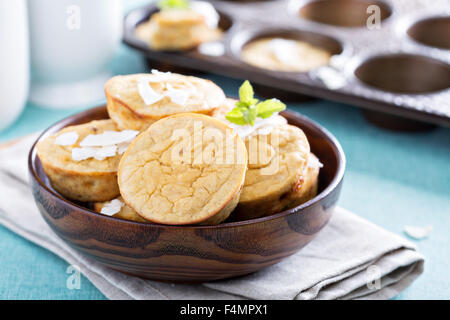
(393, 179)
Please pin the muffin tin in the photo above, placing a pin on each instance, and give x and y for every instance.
(402, 68)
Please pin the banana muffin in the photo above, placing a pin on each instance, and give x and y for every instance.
(276, 164)
(81, 161)
(306, 187)
(185, 169)
(176, 29)
(136, 101)
(280, 54)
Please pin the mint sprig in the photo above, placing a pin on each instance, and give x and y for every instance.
(248, 108)
(172, 4)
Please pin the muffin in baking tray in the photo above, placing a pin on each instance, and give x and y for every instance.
(280, 54)
(185, 169)
(117, 208)
(136, 101)
(181, 28)
(81, 161)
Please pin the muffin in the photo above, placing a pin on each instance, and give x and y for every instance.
(180, 29)
(81, 161)
(276, 165)
(257, 198)
(118, 209)
(280, 54)
(136, 101)
(306, 187)
(185, 169)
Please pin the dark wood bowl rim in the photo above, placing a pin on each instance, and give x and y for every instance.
(332, 185)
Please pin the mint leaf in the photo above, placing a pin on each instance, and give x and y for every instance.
(173, 4)
(246, 93)
(250, 114)
(269, 107)
(248, 108)
(236, 116)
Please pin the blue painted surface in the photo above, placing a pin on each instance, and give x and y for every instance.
(393, 179)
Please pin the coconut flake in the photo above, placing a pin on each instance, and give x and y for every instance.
(105, 152)
(67, 139)
(261, 126)
(313, 162)
(176, 95)
(112, 207)
(207, 10)
(108, 138)
(284, 50)
(79, 154)
(214, 49)
(159, 76)
(331, 78)
(418, 233)
(98, 153)
(122, 147)
(146, 92)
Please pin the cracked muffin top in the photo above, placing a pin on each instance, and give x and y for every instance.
(275, 162)
(185, 169)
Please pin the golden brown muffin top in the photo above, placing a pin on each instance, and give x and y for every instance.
(275, 162)
(61, 156)
(183, 170)
(179, 94)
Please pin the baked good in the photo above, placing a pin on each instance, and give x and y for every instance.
(81, 161)
(277, 162)
(306, 187)
(136, 101)
(281, 54)
(185, 169)
(177, 29)
(118, 209)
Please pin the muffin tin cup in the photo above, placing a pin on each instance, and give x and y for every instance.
(340, 13)
(396, 37)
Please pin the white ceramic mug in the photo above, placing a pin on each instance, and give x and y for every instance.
(72, 45)
(14, 60)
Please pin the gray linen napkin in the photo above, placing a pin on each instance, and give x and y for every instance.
(351, 258)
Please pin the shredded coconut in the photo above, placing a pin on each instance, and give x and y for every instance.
(146, 92)
(178, 96)
(283, 50)
(112, 207)
(313, 162)
(103, 145)
(214, 49)
(332, 78)
(98, 153)
(418, 233)
(122, 147)
(261, 126)
(108, 138)
(159, 76)
(67, 139)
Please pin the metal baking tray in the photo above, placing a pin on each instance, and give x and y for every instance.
(402, 68)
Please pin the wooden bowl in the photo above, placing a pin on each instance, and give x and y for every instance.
(191, 253)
